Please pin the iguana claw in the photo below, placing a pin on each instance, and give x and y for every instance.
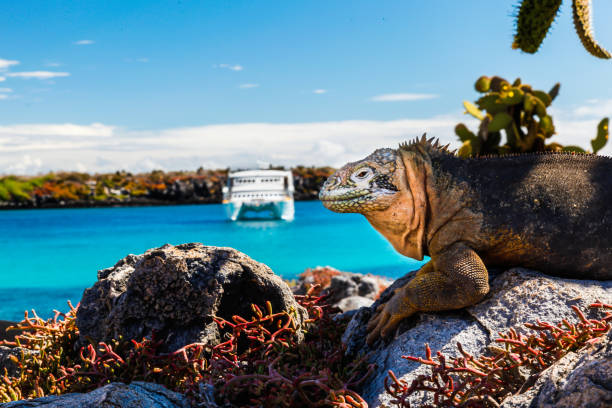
(388, 316)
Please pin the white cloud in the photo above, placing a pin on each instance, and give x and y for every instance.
(578, 133)
(231, 67)
(105, 148)
(142, 60)
(53, 64)
(578, 126)
(37, 74)
(84, 42)
(5, 64)
(4, 92)
(319, 91)
(248, 86)
(595, 108)
(61, 130)
(401, 97)
(2, 79)
(325, 147)
(25, 165)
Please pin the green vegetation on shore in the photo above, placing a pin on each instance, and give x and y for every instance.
(124, 188)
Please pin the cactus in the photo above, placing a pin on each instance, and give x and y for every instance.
(602, 135)
(536, 16)
(581, 10)
(521, 113)
(533, 22)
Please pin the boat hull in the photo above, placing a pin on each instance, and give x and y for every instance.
(281, 210)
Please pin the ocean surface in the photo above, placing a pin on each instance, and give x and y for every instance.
(50, 256)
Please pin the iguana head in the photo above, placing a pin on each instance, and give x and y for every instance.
(362, 186)
(389, 187)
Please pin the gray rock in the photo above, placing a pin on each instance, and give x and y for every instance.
(348, 284)
(581, 379)
(174, 291)
(115, 395)
(346, 290)
(355, 334)
(7, 335)
(353, 302)
(521, 296)
(5, 359)
(517, 296)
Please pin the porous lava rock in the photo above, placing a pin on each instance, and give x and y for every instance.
(345, 290)
(7, 335)
(7, 354)
(114, 395)
(517, 296)
(579, 379)
(174, 292)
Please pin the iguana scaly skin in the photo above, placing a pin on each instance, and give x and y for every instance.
(549, 212)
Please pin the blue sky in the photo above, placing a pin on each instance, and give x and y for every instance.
(98, 86)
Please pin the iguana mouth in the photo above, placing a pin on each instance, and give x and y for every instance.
(330, 198)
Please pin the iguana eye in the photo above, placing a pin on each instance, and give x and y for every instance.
(363, 174)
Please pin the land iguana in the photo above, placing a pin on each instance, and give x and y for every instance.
(546, 211)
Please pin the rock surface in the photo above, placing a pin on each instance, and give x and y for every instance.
(12, 369)
(7, 335)
(517, 296)
(135, 395)
(174, 291)
(347, 290)
(582, 379)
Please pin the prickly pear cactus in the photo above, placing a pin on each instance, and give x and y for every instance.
(602, 135)
(520, 112)
(581, 10)
(533, 22)
(536, 16)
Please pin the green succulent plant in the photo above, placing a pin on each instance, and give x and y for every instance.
(536, 16)
(520, 112)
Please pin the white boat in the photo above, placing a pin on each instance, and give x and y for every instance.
(259, 191)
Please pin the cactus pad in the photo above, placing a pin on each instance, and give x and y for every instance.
(520, 112)
(533, 22)
(581, 10)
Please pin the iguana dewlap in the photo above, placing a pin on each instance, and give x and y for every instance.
(549, 212)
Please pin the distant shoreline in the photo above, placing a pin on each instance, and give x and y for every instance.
(110, 204)
(122, 189)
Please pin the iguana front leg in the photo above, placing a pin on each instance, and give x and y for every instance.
(453, 279)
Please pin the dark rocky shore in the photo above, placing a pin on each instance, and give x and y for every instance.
(174, 292)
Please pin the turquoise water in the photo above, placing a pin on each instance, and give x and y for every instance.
(49, 256)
